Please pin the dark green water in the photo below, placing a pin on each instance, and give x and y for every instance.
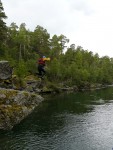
(75, 121)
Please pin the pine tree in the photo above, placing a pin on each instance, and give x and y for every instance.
(3, 30)
(3, 27)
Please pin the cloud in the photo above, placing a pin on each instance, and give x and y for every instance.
(87, 23)
(81, 5)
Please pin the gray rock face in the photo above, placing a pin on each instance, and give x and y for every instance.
(5, 70)
(15, 106)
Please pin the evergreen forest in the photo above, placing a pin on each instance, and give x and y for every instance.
(22, 48)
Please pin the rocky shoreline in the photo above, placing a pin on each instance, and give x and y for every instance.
(15, 103)
(19, 98)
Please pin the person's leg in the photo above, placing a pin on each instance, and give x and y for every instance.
(43, 71)
(39, 70)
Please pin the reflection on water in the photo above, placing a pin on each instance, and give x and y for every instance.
(75, 121)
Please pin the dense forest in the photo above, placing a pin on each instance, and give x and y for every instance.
(22, 47)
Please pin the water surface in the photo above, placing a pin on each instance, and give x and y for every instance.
(75, 121)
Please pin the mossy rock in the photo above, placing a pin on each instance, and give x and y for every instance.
(15, 106)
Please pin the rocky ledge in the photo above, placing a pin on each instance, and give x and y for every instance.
(15, 105)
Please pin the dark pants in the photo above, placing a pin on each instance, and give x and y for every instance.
(41, 70)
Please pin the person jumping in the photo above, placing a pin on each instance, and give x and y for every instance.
(41, 66)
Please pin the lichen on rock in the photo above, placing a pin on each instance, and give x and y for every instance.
(15, 106)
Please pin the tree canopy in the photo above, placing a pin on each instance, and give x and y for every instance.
(76, 66)
(3, 28)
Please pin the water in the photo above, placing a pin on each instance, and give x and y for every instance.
(75, 121)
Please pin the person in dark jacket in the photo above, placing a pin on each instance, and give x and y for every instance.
(41, 66)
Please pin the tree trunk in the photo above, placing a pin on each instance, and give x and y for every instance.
(20, 52)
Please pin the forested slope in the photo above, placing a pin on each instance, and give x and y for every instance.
(22, 47)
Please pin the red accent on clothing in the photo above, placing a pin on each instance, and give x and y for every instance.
(41, 61)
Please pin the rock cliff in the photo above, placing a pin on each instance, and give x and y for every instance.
(5, 70)
(15, 106)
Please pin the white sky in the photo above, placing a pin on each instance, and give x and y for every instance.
(87, 23)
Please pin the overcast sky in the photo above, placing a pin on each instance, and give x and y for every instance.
(87, 23)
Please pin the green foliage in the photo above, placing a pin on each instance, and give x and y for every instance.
(3, 30)
(21, 70)
(31, 66)
(3, 27)
(74, 67)
(40, 40)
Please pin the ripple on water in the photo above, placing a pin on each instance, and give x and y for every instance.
(72, 122)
